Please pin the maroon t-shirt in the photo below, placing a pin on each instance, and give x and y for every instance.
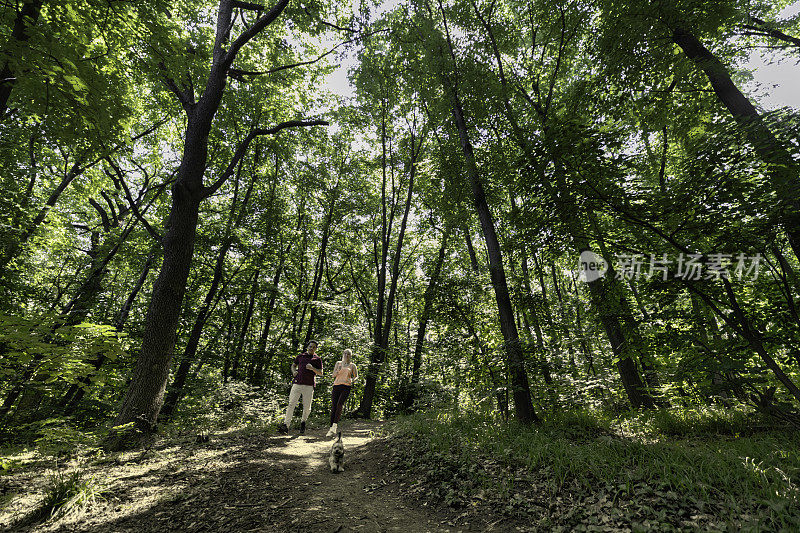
(305, 376)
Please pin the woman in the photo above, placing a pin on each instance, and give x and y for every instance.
(344, 373)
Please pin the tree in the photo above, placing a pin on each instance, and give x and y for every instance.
(144, 397)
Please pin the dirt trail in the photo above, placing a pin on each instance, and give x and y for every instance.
(251, 482)
(359, 499)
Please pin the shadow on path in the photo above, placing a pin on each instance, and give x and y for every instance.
(252, 482)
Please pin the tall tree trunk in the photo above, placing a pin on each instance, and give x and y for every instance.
(783, 169)
(523, 407)
(545, 301)
(297, 326)
(608, 300)
(606, 304)
(145, 393)
(245, 327)
(587, 352)
(564, 319)
(709, 340)
(382, 341)
(427, 306)
(627, 320)
(473, 259)
(319, 269)
(543, 363)
(381, 265)
(27, 17)
(526, 308)
(260, 359)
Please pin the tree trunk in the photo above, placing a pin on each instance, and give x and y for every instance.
(740, 323)
(245, 327)
(145, 393)
(319, 269)
(568, 212)
(260, 359)
(27, 17)
(523, 407)
(381, 264)
(427, 306)
(526, 306)
(473, 259)
(587, 352)
(378, 355)
(565, 322)
(783, 168)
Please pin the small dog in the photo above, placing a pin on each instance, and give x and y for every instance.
(337, 455)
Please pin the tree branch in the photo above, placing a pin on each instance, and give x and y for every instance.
(256, 28)
(763, 29)
(114, 218)
(241, 150)
(330, 24)
(185, 96)
(134, 205)
(239, 74)
(103, 214)
(247, 5)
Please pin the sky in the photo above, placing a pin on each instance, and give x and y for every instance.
(776, 80)
(775, 84)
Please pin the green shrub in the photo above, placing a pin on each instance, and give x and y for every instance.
(58, 439)
(236, 404)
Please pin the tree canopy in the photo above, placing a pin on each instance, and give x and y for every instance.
(186, 204)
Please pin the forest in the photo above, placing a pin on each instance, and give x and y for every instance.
(560, 238)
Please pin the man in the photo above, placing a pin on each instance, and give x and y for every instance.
(305, 369)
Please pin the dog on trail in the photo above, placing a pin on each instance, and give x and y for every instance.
(337, 455)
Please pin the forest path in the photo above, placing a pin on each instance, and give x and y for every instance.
(247, 481)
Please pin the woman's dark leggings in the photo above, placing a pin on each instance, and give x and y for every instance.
(339, 395)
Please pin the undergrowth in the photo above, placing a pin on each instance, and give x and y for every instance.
(661, 470)
(66, 494)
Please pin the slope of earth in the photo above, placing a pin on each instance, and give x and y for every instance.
(241, 481)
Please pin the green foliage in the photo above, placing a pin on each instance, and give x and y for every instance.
(700, 422)
(8, 464)
(55, 354)
(59, 439)
(648, 162)
(741, 482)
(236, 404)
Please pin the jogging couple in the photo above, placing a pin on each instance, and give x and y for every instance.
(305, 368)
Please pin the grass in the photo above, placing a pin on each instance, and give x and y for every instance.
(66, 494)
(709, 462)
